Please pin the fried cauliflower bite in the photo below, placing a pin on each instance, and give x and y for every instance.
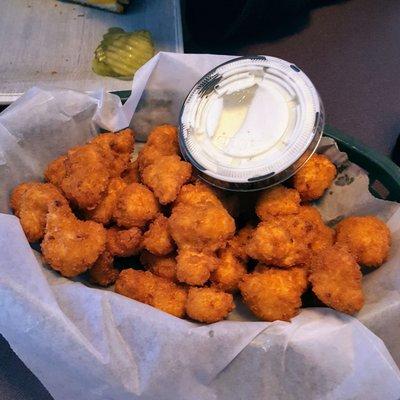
(18, 193)
(336, 279)
(197, 193)
(157, 239)
(278, 200)
(136, 206)
(71, 246)
(56, 171)
(152, 290)
(131, 174)
(164, 266)
(162, 141)
(278, 244)
(229, 271)
(165, 177)
(116, 149)
(367, 238)
(87, 177)
(319, 236)
(316, 175)
(274, 294)
(201, 226)
(208, 305)
(32, 202)
(103, 272)
(193, 267)
(239, 242)
(124, 242)
(105, 209)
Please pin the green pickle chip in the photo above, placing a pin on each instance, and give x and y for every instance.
(121, 54)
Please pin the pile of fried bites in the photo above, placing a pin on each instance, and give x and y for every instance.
(197, 245)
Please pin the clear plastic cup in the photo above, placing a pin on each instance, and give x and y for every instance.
(251, 123)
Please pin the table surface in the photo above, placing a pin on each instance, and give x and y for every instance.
(350, 50)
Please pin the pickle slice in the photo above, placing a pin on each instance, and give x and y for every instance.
(121, 54)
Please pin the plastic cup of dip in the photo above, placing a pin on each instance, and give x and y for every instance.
(251, 123)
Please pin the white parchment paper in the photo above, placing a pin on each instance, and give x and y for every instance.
(88, 343)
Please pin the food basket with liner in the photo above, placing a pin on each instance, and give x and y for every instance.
(88, 343)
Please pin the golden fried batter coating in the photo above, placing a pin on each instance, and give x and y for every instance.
(319, 236)
(136, 206)
(193, 267)
(152, 290)
(164, 137)
(239, 242)
(55, 171)
(316, 175)
(336, 279)
(162, 141)
(201, 226)
(278, 200)
(367, 238)
(208, 304)
(164, 266)
(131, 174)
(86, 177)
(18, 193)
(124, 242)
(197, 193)
(71, 246)
(229, 272)
(157, 239)
(165, 177)
(103, 272)
(116, 149)
(32, 203)
(274, 294)
(105, 209)
(277, 243)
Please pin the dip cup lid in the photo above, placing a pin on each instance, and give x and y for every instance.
(250, 123)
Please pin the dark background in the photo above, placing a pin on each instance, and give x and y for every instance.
(349, 49)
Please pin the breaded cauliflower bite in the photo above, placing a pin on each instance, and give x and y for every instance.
(131, 174)
(105, 209)
(103, 272)
(31, 203)
(204, 226)
(124, 242)
(55, 172)
(229, 271)
(278, 200)
(165, 177)
(197, 193)
(136, 206)
(152, 290)
(316, 175)
(164, 266)
(279, 242)
(239, 242)
(193, 267)
(116, 149)
(274, 294)
(162, 141)
(318, 236)
(71, 246)
(367, 238)
(86, 177)
(336, 279)
(157, 239)
(208, 305)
